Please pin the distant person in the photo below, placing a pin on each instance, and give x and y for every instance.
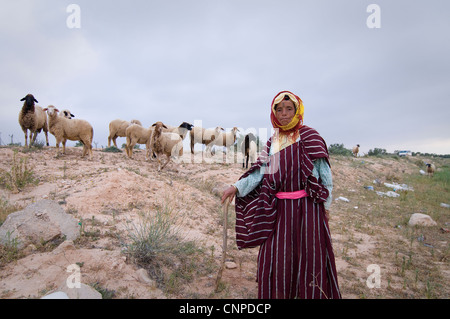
(282, 205)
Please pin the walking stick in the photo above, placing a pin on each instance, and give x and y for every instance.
(224, 247)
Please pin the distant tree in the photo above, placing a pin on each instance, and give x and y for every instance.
(339, 149)
(377, 152)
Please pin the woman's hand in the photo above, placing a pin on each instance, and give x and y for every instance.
(327, 214)
(229, 192)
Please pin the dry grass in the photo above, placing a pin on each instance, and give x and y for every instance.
(371, 229)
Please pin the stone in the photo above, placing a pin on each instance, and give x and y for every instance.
(56, 295)
(38, 223)
(421, 220)
(144, 278)
(84, 292)
(230, 265)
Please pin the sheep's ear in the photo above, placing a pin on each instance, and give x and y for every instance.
(164, 126)
(23, 99)
(154, 124)
(35, 100)
(56, 110)
(72, 115)
(222, 129)
(45, 109)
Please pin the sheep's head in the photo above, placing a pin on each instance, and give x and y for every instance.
(186, 126)
(29, 102)
(51, 110)
(158, 127)
(67, 114)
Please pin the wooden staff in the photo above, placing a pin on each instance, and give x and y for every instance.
(225, 238)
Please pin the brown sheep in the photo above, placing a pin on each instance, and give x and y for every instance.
(33, 118)
(168, 144)
(117, 128)
(431, 169)
(355, 150)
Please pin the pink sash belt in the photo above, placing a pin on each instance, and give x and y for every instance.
(291, 195)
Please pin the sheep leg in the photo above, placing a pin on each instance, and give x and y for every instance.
(168, 160)
(26, 137)
(46, 138)
(33, 138)
(114, 141)
(57, 146)
(84, 150)
(64, 146)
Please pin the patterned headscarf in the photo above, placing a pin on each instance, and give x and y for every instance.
(297, 120)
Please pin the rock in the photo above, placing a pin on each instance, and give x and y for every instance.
(56, 295)
(421, 220)
(65, 246)
(230, 265)
(144, 278)
(39, 223)
(84, 292)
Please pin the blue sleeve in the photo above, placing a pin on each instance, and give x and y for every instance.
(249, 183)
(322, 169)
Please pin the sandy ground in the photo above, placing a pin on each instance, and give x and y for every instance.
(113, 190)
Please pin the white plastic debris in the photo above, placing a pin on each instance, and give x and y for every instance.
(343, 199)
(398, 187)
(422, 172)
(389, 194)
(445, 205)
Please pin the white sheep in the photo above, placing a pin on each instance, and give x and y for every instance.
(117, 128)
(355, 150)
(431, 168)
(137, 134)
(32, 117)
(70, 129)
(249, 149)
(165, 143)
(204, 136)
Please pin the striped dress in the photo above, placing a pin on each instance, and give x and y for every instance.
(296, 258)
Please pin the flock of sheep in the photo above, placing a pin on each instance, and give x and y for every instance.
(161, 140)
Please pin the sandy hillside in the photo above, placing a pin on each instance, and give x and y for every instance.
(110, 192)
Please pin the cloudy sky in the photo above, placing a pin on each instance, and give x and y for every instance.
(221, 62)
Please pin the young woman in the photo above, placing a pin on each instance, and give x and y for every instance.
(282, 205)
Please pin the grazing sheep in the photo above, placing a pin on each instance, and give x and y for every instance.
(226, 139)
(137, 134)
(431, 169)
(165, 143)
(74, 130)
(249, 150)
(355, 150)
(33, 118)
(204, 136)
(67, 114)
(181, 130)
(117, 129)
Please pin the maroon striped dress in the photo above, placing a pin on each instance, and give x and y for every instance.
(296, 258)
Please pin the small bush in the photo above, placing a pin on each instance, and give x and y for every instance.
(339, 149)
(111, 149)
(377, 152)
(19, 176)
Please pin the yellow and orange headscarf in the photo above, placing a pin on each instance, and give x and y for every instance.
(297, 120)
(286, 134)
